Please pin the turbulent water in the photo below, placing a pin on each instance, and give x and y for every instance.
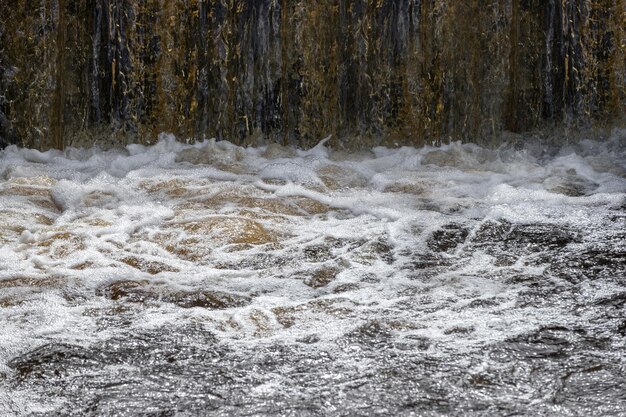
(212, 279)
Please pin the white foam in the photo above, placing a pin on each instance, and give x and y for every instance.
(105, 213)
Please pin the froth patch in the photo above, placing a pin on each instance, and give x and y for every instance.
(434, 251)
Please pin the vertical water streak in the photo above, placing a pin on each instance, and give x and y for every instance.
(368, 72)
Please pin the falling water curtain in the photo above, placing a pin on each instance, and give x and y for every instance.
(293, 71)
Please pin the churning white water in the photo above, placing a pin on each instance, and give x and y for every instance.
(192, 279)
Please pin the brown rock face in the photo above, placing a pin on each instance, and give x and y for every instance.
(369, 72)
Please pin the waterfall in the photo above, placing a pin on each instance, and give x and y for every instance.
(176, 238)
(382, 72)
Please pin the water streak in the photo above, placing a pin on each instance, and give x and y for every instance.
(369, 72)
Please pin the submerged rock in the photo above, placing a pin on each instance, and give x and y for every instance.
(51, 361)
(150, 266)
(222, 155)
(232, 230)
(524, 238)
(276, 151)
(142, 292)
(570, 185)
(336, 177)
(322, 277)
(215, 300)
(448, 238)
(128, 290)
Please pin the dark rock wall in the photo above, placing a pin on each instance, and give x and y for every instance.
(76, 72)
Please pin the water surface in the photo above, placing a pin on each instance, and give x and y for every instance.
(185, 280)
